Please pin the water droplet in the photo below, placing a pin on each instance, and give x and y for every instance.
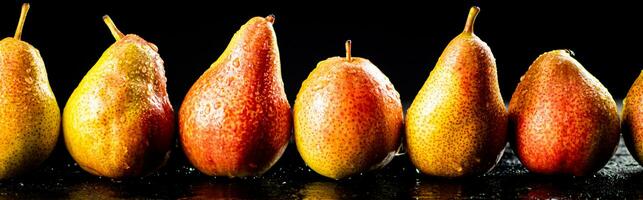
(351, 71)
(208, 108)
(29, 80)
(150, 89)
(235, 62)
(389, 87)
(230, 80)
(266, 44)
(317, 87)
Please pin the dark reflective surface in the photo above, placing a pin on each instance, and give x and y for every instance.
(404, 45)
(290, 179)
(60, 177)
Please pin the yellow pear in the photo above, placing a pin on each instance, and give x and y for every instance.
(30, 115)
(457, 124)
(119, 121)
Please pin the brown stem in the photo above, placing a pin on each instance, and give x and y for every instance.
(471, 19)
(348, 50)
(21, 21)
(112, 27)
(271, 18)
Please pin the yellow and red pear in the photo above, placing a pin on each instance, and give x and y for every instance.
(632, 124)
(119, 122)
(30, 122)
(457, 124)
(235, 120)
(348, 117)
(565, 121)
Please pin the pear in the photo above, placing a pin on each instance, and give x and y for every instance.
(119, 122)
(30, 115)
(348, 117)
(633, 119)
(457, 124)
(235, 121)
(565, 121)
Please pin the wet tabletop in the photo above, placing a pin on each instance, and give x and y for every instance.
(622, 177)
(291, 179)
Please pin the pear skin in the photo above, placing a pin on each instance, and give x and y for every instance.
(119, 122)
(235, 121)
(348, 117)
(633, 119)
(30, 122)
(457, 124)
(565, 121)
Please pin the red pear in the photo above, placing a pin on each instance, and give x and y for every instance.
(235, 120)
(564, 119)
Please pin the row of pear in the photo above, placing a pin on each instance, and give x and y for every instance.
(236, 121)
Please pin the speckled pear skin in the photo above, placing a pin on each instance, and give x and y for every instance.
(119, 122)
(30, 115)
(457, 123)
(236, 121)
(565, 122)
(348, 118)
(632, 123)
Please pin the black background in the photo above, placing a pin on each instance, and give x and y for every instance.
(403, 39)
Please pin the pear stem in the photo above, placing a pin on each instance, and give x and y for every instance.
(21, 21)
(271, 18)
(112, 27)
(471, 19)
(348, 45)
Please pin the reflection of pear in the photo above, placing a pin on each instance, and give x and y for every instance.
(93, 191)
(548, 191)
(229, 189)
(207, 190)
(439, 190)
(321, 190)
